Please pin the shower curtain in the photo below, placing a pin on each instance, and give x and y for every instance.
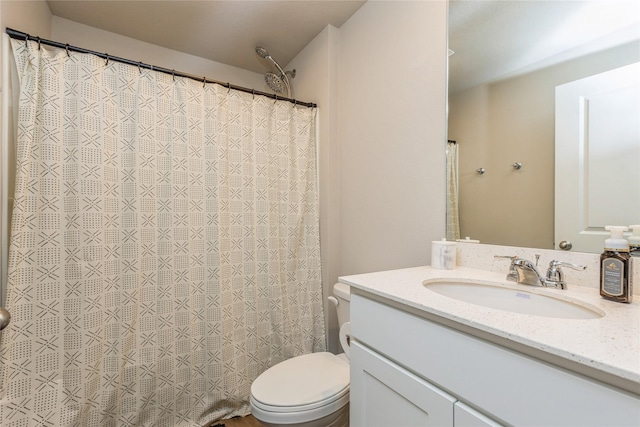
(453, 224)
(164, 247)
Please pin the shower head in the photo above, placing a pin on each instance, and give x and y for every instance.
(277, 82)
(262, 52)
(274, 82)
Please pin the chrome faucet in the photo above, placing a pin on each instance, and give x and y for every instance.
(526, 272)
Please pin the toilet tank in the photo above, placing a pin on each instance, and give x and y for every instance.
(343, 295)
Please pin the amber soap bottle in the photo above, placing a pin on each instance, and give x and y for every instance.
(615, 267)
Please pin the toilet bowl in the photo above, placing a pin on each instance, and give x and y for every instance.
(311, 390)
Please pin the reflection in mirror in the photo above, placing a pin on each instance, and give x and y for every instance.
(597, 149)
(509, 57)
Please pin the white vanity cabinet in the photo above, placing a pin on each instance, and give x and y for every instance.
(410, 371)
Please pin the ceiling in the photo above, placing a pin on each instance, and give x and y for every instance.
(491, 39)
(225, 31)
(498, 39)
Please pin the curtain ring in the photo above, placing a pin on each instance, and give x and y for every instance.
(204, 81)
(276, 98)
(38, 42)
(66, 47)
(228, 87)
(107, 61)
(173, 75)
(140, 67)
(253, 92)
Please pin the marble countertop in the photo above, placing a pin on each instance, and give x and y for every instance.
(606, 348)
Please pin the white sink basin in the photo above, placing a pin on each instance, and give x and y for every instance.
(514, 300)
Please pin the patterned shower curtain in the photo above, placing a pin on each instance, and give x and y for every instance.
(453, 221)
(164, 248)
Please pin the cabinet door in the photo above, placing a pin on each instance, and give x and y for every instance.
(384, 394)
(466, 416)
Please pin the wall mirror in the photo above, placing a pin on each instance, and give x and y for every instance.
(508, 58)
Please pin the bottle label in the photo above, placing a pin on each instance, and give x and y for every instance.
(613, 276)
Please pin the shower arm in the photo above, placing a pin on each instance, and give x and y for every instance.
(275, 64)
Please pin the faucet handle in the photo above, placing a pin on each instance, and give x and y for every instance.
(555, 275)
(512, 258)
(555, 263)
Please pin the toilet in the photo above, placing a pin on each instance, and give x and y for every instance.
(311, 390)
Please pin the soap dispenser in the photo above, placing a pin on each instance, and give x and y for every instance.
(634, 241)
(615, 274)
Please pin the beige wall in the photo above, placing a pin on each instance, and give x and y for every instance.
(31, 17)
(391, 109)
(66, 31)
(512, 121)
(379, 82)
(316, 80)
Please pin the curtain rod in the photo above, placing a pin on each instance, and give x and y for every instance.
(451, 141)
(24, 36)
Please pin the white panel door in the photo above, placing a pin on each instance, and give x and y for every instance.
(384, 394)
(597, 165)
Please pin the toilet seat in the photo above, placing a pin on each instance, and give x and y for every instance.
(316, 382)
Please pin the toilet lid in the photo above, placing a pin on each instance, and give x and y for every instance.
(311, 380)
